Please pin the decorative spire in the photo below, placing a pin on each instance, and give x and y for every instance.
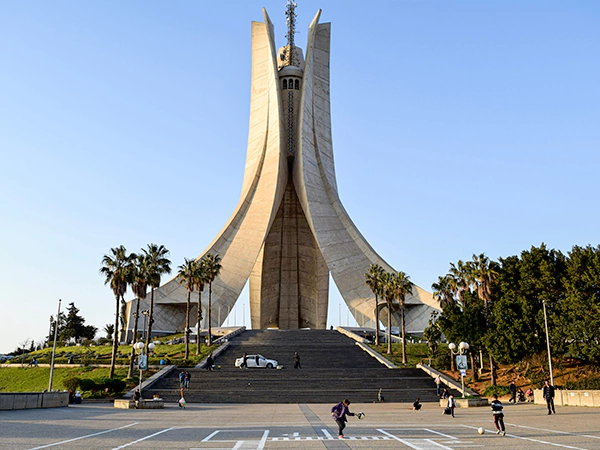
(290, 51)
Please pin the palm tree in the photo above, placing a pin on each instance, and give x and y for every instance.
(459, 279)
(389, 294)
(212, 267)
(375, 283)
(442, 291)
(484, 274)
(187, 274)
(114, 268)
(199, 281)
(139, 286)
(402, 286)
(158, 265)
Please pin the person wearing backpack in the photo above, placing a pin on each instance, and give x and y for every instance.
(498, 415)
(451, 405)
(339, 412)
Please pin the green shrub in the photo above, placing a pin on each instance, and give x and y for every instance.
(72, 383)
(87, 385)
(583, 384)
(496, 389)
(111, 385)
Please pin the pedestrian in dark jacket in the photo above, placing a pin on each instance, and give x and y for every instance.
(548, 393)
(339, 412)
(182, 379)
(297, 361)
(498, 415)
(188, 378)
(210, 362)
(512, 388)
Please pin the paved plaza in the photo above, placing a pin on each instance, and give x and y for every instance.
(245, 427)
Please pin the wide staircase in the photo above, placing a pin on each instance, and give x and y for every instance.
(333, 368)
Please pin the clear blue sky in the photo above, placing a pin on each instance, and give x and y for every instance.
(459, 127)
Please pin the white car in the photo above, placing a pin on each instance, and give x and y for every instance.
(256, 361)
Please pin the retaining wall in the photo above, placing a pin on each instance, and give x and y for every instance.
(32, 400)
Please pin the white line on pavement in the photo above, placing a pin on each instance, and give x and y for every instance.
(238, 445)
(422, 444)
(552, 431)
(144, 438)
(327, 433)
(86, 436)
(441, 434)
(536, 440)
(262, 442)
(207, 438)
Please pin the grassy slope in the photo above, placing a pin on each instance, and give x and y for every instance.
(36, 379)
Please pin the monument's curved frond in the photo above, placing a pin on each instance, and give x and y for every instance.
(347, 253)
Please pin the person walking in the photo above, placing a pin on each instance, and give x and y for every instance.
(380, 397)
(297, 361)
(188, 378)
(182, 401)
(339, 412)
(498, 415)
(210, 362)
(137, 397)
(438, 385)
(182, 379)
(548, 394)
(451, 404)
(512, 388)
(244, 361)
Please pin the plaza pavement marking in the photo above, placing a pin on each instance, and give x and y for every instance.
(417, 444)
(85, 437)
(260, 445)
(569, 433)
(144, 438)
(554, 444)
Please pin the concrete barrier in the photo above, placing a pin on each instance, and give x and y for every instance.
(33, 400)
(142, 404)
(590, 398)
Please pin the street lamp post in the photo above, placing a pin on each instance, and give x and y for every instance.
(142, 360)
(54, 347)
(145, 313)
(548, 343)
(461, 362)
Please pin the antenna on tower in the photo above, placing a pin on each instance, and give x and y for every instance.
(290, 51)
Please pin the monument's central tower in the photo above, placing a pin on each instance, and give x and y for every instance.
(289, 232)
(289, 284)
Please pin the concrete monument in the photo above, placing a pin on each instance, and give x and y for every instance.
(289, 231)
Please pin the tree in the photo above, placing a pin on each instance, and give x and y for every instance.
(188, 272)
(576, 318)
(389, 295)
(212, 268)
(114, 269)
(199, 282)
(433, 334)
(374, 279)
(443, 291)
(139, 285)
(158, 265)
(402, 286)
(75, 327)
(109, 329)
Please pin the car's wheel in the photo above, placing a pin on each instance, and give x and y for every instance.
(269, 366)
